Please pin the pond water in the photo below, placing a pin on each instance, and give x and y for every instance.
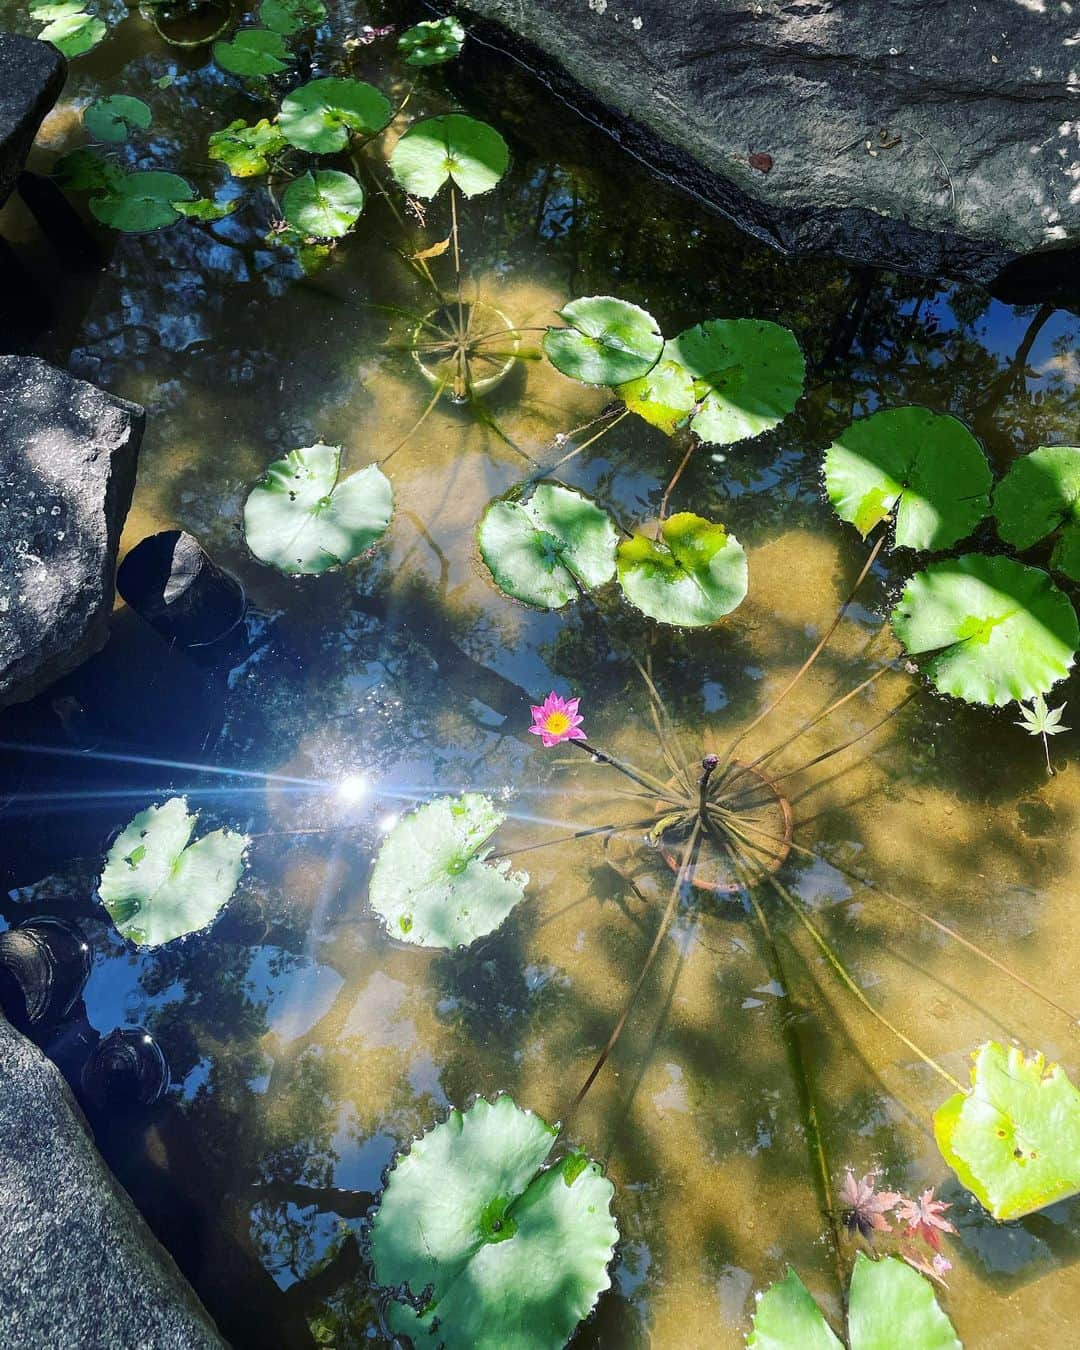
(305, 1045)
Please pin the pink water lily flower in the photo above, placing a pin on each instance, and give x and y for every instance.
(557, 719)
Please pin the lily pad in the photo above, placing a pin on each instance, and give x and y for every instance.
(114, 119)
(692, 576)
(545, 549)
(928, 469)
(746, 376)
(245, 150)
(291, 16)
(606, 341)
(205, 208)
(1040, 495)
(454, 148)
(889, 1305)
(325, 204)
(513, 1254)
(158, 886)
(432, 42)
(85, 170)
(320, 115)
(253, 51)
(300, 522)
(431, 884)
(140, 202)
(69, 27)
(665, 396)
(991, 630)
(1014, 1140)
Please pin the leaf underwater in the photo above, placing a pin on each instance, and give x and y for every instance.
(514, 1254)
(431, 884)
(890, 1306)
(694, 575)
(158, 886)
(990, 630)
(1014, 1140)
(545, 549)
(927, 470)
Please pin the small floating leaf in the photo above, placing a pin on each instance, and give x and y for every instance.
(297, 520)
(747, 376)
(432, 42)
(431, 884)
(253, 51)
(114, 119)
(319, 116)
(692, 576)
(157, 886)
(513, 1254)
(606, 341)
(244, 149)
(205, 208)
(1014, 1140)
(1038, 496)
(452, 148)
(890, 1305)
(929, 469)
(140, 202)
(69, 27)
(291, 16)
(991, 629)
(544, 549)
(325, 204)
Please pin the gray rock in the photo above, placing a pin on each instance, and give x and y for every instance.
(78, 1266)
(32, 73)
(67, 469)
(940, 139)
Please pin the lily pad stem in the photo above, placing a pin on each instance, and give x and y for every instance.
(636, 775)
(672, 483)
(591, 441)
(565, 838)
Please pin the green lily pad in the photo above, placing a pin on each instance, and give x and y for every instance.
(319, 116)
(1014, 1140)
(692, 576)
(297, 520)
(890, 1305)
(665, 396)
(325, 204)
(114, 119)
(85, 170)
(991, 629)
(432, 42)
(1040, 495)
(143, 201)
(205, 208)
(543, 549)
(431, 884)
(253, 51)
(245, 150)
(512, 1254)
(69, 27)
(745, 376)
(606, 341)
(929, 469)
(158, 886)
(447, 149)
(291, 16)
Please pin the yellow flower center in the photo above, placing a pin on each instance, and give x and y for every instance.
(556, 723)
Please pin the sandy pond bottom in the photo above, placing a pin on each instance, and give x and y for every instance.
(305, 1045)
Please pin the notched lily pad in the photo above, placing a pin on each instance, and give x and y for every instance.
(989, 629)
(158, 886)
(606, 341)
(454, 148)
(505, 1251)
(139, 202)
(246, 150)
(253, 51)
(320, 116)
(299, 521)
(1039, 497)
(325, 204)
(691, 577)
(927, 469)
(543, 550)
(431, 883)
(114, 119)
(1014, 1140)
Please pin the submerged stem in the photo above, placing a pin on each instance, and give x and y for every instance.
(577, 834)
(585, 444)
(672, 483)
